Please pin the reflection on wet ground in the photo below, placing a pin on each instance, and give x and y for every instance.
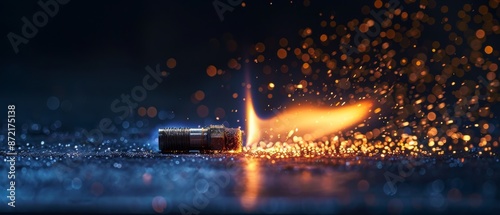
(155, 183)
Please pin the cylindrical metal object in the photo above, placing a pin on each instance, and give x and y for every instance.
(215, 138)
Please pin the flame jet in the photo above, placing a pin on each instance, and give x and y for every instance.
(310, 123)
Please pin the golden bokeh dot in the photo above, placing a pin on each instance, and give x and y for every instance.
(283, 42)
(305, 57)
(260, 58)
(199, 95)
(466, 138)
(171, 63)
(232, 63)
(235, 95)
(281, 53)
(432, 132)
(333, 24)
(343, 57)
(323, 23)
(270, 86)
(461, 14)
(141, 111)
(404, 61)
(450, 50)
(378, 4)
(306, 69)
(488, 49)
(480, 33)
(444, 9)
(447, 27)
(284, 68)
(467, 7)
(483, 9)
(431, 98)
(152, 112)
(202, 111)
(323, 38)
(493, 67)
(391, 34)
(307, 32)
(431, 116)
(305, 66)
(404, 15)
(260, 47)
(494, 3)
(491, 76)
(418, 63)
(211, 71)
(220, 113)
(297, 51)
(413, 77)
(475, 44)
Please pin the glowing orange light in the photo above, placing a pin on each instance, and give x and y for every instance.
(251, 189)
(307, 122)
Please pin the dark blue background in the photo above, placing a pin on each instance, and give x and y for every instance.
(91, 52)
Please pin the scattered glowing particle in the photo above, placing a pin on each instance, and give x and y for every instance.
(480, 33)
(488, 49)
(199, 95)
(141, 111)
(431, 116)
(171, 63)
(211, 71)
(305, 66)
(220, 113)
(283, 42)
(270, 86)
(152, 112)
(260, 47)
(323, 38)
(282, 53)
(466, 138)
(202, 111)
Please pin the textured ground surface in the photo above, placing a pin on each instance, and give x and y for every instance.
(49, 181)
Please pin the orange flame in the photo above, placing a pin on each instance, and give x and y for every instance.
(307, 122)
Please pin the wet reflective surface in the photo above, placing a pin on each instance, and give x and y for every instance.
(143, 182)
(373, 107)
